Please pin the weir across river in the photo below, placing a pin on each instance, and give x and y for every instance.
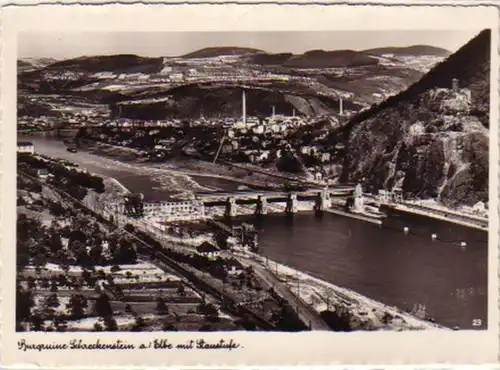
(195, 209)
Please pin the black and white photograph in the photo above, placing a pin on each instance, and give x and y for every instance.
(255, 181)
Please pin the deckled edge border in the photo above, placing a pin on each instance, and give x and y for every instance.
(244, 3)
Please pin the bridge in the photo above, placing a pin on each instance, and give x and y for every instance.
(196, 209)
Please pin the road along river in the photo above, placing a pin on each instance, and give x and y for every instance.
(445, 280)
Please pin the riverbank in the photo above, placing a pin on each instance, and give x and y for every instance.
(365, 313)
(189, 167)
(444, 214)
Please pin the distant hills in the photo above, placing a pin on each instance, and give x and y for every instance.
(32, 64)
(317, 58)
(330, 59)
(308, 83)
(429, 140)
(121, 63)
(409, 50)
(220, 51)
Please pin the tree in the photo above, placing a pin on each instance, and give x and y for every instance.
(31, 283)
(36, 322)
(206, 327)
(77, 305)
(96, 254)
(60, 325)
(53, 286)
(55, 243)
(139, 324)
(76, 235)
(110, 323)
(210, 312)
(24, 303)
(102, 306)
(52, 301)
(168, 327)
(181, 290)
(125, 253)
(98, 327)
(161, 306)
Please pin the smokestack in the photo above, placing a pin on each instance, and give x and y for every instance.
(274, 111)
(293, 112)
(341, 107)
(244, 107)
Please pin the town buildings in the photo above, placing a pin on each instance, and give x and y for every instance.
(25, 147)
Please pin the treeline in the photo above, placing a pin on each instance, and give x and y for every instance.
(74, 182)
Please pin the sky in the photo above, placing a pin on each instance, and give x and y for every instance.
(70, 45)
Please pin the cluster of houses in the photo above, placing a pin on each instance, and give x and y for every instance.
(192, 72)
(212, 253)
(75, 117)
(262, 140)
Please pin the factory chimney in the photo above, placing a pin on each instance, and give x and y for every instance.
(454, 84)
(244, 107)
(293, 112)
(341, 107)
(274, 111)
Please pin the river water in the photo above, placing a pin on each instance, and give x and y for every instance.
(156, 184)
(381, 262)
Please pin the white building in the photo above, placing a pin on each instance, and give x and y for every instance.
(177, 77)
(359, 203)
(43, 174)
(208, 250)
(25, 147)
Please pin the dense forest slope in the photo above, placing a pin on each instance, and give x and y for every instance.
(409, 50)
(220, 51)
(432, 139)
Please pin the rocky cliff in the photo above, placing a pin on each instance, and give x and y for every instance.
(432, 139)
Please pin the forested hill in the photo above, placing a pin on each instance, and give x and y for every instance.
(430, 139)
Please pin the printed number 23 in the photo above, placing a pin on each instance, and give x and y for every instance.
(477, 322)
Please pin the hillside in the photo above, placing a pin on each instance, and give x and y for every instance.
(32, 64)
(414, 50)
(269, 59)
(213, 100)
(431, 140)
(310, 83)
(218, 51)
(122, 63)
(330, 59)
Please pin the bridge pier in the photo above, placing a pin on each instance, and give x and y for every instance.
(323, 201)
(230, 207)
(291, 203)
(261, 208)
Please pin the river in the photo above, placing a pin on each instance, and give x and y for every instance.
(155, 183)
(381, 262)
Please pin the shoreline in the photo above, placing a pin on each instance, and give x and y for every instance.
(429, 214)
(360, 306)
(175, 169)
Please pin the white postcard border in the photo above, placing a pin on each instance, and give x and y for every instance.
(311, 348)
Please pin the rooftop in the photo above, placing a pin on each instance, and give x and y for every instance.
(207, 247)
